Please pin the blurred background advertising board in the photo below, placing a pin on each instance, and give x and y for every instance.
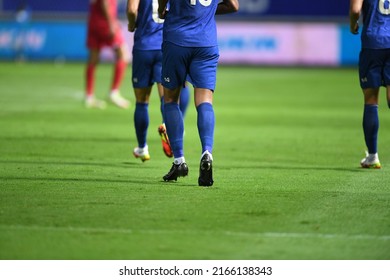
(297, 8)
(279, 43)
(263, 32)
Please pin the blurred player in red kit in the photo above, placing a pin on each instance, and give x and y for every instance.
(104, 31)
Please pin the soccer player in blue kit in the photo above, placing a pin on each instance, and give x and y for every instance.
(143, 20)
(190, 48)
(374, 66)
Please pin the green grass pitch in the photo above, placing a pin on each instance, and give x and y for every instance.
(287, 185)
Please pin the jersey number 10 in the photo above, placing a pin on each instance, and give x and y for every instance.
(205, 3)
(384, 7)
(155, 17)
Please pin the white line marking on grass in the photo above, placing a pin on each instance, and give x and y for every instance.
(78, 95)
(310, 235)
(230, 233)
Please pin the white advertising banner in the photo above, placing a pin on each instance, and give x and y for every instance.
(194, 269)
(278, 43)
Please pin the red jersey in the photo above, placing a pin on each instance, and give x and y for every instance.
(98, 28)
(96, 12)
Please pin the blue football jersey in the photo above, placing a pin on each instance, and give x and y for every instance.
(148, 34)
(376, 24)
(191, 23)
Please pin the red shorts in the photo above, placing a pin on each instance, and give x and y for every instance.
(98, 38)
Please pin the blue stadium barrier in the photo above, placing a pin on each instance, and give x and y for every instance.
(349, 47)
(43, 40)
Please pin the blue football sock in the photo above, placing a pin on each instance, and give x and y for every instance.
(141, 122)
(371, 127)
(162, 108)
(184, 99)
(175, 127)
(206, 123)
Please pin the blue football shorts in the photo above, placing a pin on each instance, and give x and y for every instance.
(374, 68)
(196, 64)
(146, 68)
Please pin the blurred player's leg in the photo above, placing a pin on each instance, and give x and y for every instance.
(90, 100)
(90, 78)
(119, 71)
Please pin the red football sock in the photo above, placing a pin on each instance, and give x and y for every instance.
(119, 71)
(90, 79)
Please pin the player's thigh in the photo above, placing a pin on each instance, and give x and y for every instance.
(93, 56)
(157, 66)
(386, 68)
(98, 38)
(203, 68)
(117, 41)
(101, 37)
(371, 65)
(142, 69)
(142, 95)
(92, 39)
(122, 53)
(371, 95)
(174, 65)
